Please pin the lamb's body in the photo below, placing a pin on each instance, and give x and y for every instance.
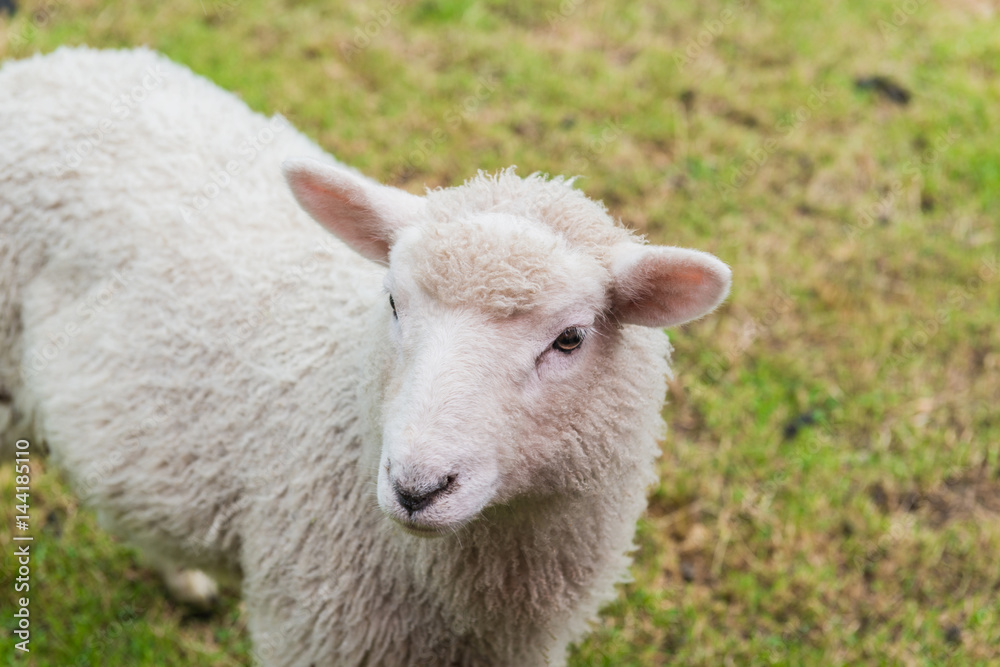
(200, 375)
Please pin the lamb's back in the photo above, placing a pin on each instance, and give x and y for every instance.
(170, 314)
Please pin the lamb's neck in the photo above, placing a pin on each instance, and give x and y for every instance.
(547, 558)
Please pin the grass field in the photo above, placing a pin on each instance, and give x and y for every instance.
(830, 488)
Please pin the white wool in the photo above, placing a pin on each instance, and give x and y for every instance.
(225, 381)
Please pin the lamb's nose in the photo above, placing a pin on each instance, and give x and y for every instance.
(415, 499)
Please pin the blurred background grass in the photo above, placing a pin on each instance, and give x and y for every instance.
(830, 487)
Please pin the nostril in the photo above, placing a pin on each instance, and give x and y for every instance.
(414, 500)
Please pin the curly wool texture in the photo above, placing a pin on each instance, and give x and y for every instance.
(206, 364)
(500, 268)
(582, 222)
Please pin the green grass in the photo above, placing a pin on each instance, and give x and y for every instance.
(830, 488)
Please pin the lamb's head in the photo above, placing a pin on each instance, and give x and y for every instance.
(508, 324)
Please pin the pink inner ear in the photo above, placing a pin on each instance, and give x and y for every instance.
(341, 205)
(693, 277)
(665, 286)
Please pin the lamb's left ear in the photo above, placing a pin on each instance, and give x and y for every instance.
(365, 215)
(662, 286)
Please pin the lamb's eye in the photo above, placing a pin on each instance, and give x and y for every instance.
(392, 304)
(568, 340)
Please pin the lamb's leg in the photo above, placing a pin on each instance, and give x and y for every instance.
(188, 586)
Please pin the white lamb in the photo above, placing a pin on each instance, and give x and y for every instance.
(237, 392)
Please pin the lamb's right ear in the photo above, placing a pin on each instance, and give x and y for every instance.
(363, 214)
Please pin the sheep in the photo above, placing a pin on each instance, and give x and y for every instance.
(419, 432)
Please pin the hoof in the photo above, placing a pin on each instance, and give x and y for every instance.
(193, 588)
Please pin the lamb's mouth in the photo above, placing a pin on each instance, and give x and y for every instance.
(418, 530)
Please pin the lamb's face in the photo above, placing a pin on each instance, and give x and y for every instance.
(497, 324)
(503, 303)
